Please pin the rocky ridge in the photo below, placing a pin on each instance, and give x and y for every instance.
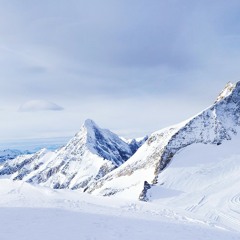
(214, 125)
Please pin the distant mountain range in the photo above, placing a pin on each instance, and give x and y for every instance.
(9, 154)
(34, 145)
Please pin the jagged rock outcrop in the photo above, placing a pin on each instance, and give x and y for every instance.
(214, 125)
(135, 144)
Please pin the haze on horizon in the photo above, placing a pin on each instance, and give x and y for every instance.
(132, 66)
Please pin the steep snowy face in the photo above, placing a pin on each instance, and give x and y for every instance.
(89, 155)
(212, 126)
(104, 143)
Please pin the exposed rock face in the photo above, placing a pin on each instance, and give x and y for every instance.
(89, 155)
(135, 144)
(212, 126)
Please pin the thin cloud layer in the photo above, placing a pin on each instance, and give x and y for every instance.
(91, 56)
(39, 105)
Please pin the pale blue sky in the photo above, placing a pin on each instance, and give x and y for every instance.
(132, 66)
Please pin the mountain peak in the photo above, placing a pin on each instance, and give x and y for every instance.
(89, 155)
(228, 89)
(101, 142)
(87, 129)
(90, 123)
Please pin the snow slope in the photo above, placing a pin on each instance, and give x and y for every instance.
(33, 212)
(214, 125)
(202, 182)
(88, 156)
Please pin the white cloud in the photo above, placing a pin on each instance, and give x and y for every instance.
(39, 105)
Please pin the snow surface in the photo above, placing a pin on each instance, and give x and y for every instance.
(33, 212)
(203, 181)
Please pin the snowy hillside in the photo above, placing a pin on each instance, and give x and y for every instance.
(214, 125)
(202, 181)
(88, 156)
(34, 212)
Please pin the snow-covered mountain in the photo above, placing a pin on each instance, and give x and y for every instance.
(214, 125)
(88, 156)
(102, 163)
(189, 174)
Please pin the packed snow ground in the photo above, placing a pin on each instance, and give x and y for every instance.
(29, 212)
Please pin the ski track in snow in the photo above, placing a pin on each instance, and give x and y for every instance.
(38, 213)
(235, 203)
(39, 224)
